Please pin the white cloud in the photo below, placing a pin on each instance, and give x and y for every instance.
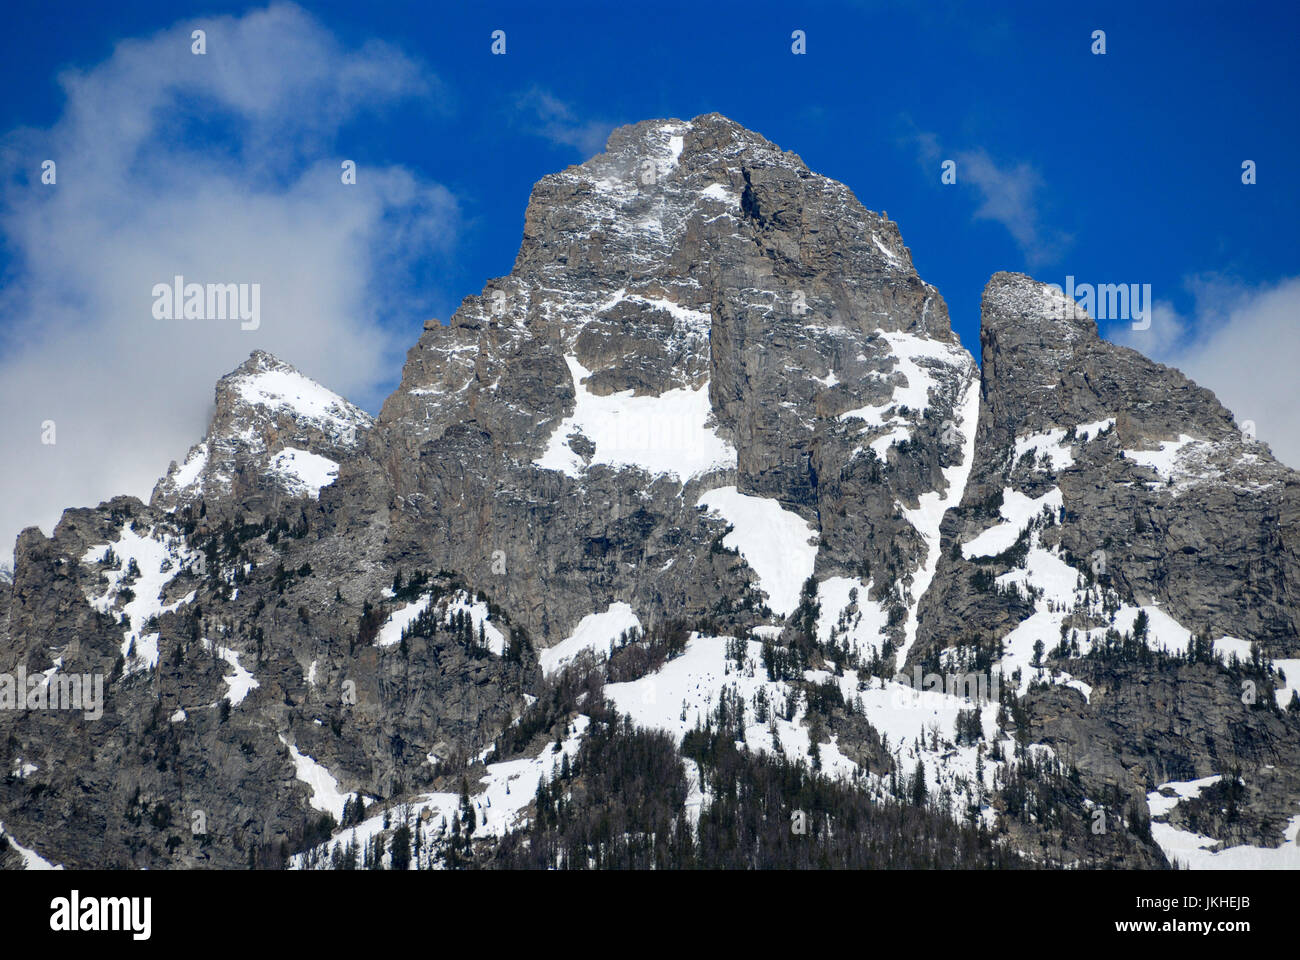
(545, 115)
(1007, 195)
(222, 168)
(1241, 342)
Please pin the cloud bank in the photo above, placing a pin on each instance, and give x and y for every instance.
(223, 168)
(1242, 343)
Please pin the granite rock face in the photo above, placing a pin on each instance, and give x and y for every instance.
(1107, 487)
(1162, 494)
(1160, 488)
(692, 309)
(713, 395)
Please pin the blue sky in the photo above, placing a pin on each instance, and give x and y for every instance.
(1117, 168)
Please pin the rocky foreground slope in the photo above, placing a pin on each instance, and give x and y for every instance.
(645, 558)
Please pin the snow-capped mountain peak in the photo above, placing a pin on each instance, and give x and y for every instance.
(273, 431)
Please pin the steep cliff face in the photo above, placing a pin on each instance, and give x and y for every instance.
(713, 439)
(1148, 487)
(1157, 482)
(692, 310)
(1111, 498)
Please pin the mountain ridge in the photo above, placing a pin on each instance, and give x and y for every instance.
(710, 458)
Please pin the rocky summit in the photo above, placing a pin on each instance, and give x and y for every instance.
(697, 540)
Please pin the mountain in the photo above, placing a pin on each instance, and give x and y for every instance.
(643, 562)
(275, 434)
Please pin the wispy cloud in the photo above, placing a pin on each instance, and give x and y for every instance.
(1008, 194)
(223, 168)
(1239, 341)
(545, 115)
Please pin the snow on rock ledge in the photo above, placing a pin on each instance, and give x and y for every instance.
(667, 434)
(778, 544)
(596, 632)
(303, 472)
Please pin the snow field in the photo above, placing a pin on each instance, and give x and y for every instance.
(664, 435)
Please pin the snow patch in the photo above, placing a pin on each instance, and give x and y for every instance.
(664, 435)
(848, 615)
(1163, 460)
(285, 389)
(1198, 852)
(158, 560)
(31, 859)
(717, 191)
(478, 612)
(927, 518)
(1017, 511)
(502, 794)
(1040, 445)
(775, 542)
(889, 254)
(1290, 670)
(188, 473)
(391, 631)
(240, 683)
(303, 472)
(325, 793)
(1087, 432)
(596, 632)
